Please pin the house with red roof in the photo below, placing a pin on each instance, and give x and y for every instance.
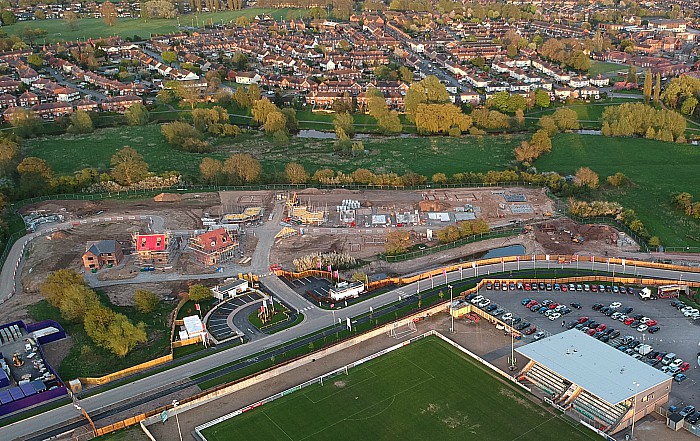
(213, 247)
(154, 250)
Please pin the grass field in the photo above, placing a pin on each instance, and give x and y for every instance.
(602, 67)
(69, 153)
(427, 390)
(657, 170)
(129, 27)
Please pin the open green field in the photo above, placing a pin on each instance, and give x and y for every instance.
(590, 115)
(69, 153)
(128, 27)
(425, 391)
(603, 67)
(657, 170)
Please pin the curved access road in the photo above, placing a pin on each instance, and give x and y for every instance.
(317, 319)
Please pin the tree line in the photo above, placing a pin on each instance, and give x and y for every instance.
(67, 291)
(638, 119)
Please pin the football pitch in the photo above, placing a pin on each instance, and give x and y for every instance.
(426, 390)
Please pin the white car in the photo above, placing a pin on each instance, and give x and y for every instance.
(694, 315)
(549, 312)
(554, 316)
(644, 320)
(665, 369)
(477, 299)
(676, 363)
(484, 303)
(622, 318)
(642, 327)
(615, 305)
(507, 317)
(616, 315)
(690, 312)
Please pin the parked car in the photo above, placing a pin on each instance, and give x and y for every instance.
(687, 410)
(491, 307)
(628, 321)
(576, 305)
(642, 328)
(651, 323)
(526, 286)
(489, 285)
(583, 319)
(557, 287)
(615, 334)
(498, 312)
(594, 288)
(597, 306)
(525, 301)
(628, 310)
(522, 326)
(554, 316)
(676, 363)
(538, 336)
(571, 325)
(615, 304)
(684, 366)
(635, 324)
(653, 329)
(470, 297)
(586, 288)
(535, 307)
(565, 288)
(695, 417)
(530, 331)
(507, 316)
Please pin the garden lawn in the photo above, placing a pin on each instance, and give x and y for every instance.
(130, 27)
(427, 390)
(69, 153)
(657, 170)
(602, 67)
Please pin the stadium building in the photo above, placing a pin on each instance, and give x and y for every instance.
(583, 375)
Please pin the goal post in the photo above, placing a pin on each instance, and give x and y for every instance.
(399, 330)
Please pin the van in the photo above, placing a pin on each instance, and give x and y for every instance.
(644, 349)
(668, 358)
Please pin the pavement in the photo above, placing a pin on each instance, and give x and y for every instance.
(314, 319)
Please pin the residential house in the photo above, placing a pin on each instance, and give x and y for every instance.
(213, 247)
(154, 250)
(51, 111)
(7, 100)
(119, 104)
(102, 253)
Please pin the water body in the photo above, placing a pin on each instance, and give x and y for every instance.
(510, 250)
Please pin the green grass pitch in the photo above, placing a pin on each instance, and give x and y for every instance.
(425, 391)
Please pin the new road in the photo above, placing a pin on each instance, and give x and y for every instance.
(315, 319)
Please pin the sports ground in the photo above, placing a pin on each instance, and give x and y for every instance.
(426, 390)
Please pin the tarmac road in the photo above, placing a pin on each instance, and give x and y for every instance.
(315, 319)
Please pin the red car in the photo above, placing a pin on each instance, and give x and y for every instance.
(684, 367)
(583, 319)
(553, 305)
(601, 328)
(527, 287)
(594, 288)
(532, 303)
(530, 330)
(564, 288)
(628, 320)
(591, 331)
(651, 323)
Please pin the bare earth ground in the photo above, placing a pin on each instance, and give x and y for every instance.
(480, 338)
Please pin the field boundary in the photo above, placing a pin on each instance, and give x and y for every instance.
(197, 433)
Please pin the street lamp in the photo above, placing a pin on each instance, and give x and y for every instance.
(634, 406)
(452, 317)
(177, 419)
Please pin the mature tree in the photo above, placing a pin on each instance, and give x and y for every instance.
(617, 180)
(137, 115)
(187, 94)
(275, 122)
(343, 124)
(296, 174)
(7, 17)
(519, 117)
(397, 242)
(145, 301)
(54, 287)
(211, 170)
(566, 118)
(158, 9)
(587, 177)
(199, 293)
(241, 98)
(405, 74)
(542, 98)
(441, 118)
(632, 119)
(32, 165)
(647, 86)
(632, 76)
(541, 141)
(203, 119)
(77, 300)
(261, 109)
(548, 124)
(242, 167)
(80, 122)
(9, 150)
(24, 121)
(291, 121)
(254, 93)
(71, 19)
(414, 96)
(113, 331)
(388, 121)
(657, 89)
(213, 78)
(243, 21)
(439, 178)
(35, 60)
(526, 152)
(109, 13)
(505, 102)
(689, 105)
(184, 136)
(169, 57)
(129, 166)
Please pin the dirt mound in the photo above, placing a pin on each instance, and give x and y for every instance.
(433, 206)
(168, 197)
(58, 235)
(310, 190)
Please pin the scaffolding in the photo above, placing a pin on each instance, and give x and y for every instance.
(154, 250)
(214, 247)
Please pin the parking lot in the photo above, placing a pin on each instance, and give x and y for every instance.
(677, 333)
(218, 324)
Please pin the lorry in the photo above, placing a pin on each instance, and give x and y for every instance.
(645, 294)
